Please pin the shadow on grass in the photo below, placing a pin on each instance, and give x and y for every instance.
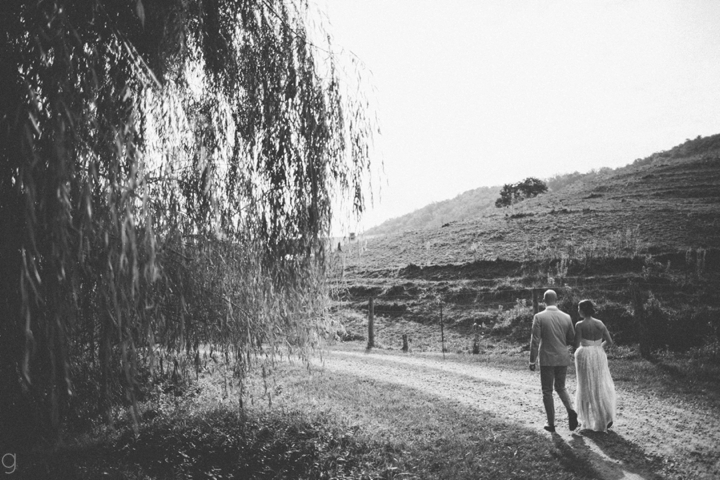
(437, 437)
(210, 444)
(615, 456)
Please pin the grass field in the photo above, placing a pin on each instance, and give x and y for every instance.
(302, 421)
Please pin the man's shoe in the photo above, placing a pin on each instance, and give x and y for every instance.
(572, 415)
(549, 428)
(610, 424)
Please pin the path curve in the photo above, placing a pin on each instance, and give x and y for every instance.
(650, 430)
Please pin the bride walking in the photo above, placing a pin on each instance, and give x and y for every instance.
(595, 394)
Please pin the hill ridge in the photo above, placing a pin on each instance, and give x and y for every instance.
(477, 202)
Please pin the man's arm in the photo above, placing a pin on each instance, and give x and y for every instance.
(534, 341)
(570, 334)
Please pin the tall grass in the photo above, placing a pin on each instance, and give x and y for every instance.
(621, 244)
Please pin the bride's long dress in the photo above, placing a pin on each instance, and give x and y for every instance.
(595, 394)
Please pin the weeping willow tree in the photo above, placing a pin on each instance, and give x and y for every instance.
(167, 175)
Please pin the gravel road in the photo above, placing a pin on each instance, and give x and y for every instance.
(655, 436)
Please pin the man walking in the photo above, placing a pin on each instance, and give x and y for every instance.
(552, 332)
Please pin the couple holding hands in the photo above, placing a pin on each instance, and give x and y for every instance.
(552, 333)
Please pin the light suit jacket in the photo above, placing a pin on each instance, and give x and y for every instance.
(552, 332)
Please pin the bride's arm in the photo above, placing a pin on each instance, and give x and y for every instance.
(578, 335)
(607, 339)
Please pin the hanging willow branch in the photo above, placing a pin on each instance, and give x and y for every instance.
(167, 176)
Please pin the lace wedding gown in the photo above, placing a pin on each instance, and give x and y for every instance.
(595, 394)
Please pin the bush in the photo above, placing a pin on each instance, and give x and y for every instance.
(680, 329)
(709, 352)
(620, 322)
(568, 301)
(515, 322)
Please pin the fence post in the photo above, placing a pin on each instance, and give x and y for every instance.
(405, 347)
(476, 340)
(442, 331)
(371, 326)
(536, 307)
(639, 314)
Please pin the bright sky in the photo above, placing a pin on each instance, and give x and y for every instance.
(473, 93)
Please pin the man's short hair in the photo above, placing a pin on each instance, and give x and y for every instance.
(550, 296)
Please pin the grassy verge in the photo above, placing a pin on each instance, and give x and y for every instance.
(201, 433)
(695, 373)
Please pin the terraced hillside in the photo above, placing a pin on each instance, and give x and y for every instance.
(654, 224)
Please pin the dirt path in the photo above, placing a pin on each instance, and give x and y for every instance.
(654, 436)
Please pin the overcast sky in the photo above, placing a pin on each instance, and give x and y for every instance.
(473, 93)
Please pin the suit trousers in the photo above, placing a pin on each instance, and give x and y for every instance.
(554, 377)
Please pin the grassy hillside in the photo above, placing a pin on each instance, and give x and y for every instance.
(654, 223)
(662, 203)
(479, 202)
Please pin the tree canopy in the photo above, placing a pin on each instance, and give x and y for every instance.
(511, 193)
(167, 176)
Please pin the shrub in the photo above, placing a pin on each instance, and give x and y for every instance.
(517, 192)
(568, 300)
(516, 321)
(619, 321)
(709, 352)
(680, 329)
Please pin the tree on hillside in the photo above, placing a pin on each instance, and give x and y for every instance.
(512, 193)
(167, 170)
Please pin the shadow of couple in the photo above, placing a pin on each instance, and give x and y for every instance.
(610, 455)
